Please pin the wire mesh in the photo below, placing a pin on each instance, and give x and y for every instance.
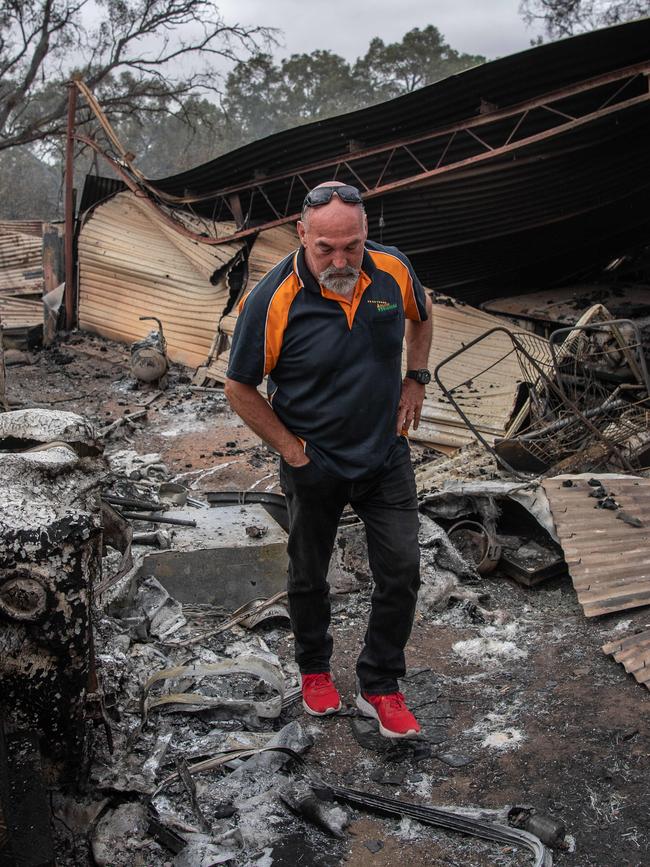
(584, 394)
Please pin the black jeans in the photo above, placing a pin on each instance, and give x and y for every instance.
(387, 505)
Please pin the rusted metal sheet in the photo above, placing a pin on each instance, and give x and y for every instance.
(20, 313)
(21, 258)
(477, 178)
(489, 399)
(607, 550)
(21, 321)
(269, 248)
(132, 264)
(25, 227)
(633, 653)
(565, 306)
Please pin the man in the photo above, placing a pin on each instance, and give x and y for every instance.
(326, 325)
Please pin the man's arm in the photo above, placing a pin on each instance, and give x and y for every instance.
(418, 344)
(256, 412)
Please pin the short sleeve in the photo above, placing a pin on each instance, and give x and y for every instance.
(415, 306)
(246, 362)
(418, 295)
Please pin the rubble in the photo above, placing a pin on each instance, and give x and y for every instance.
(149, 362)
(477, 645)
(50, 558)
(218, 561)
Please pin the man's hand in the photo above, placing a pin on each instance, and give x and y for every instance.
(296, 456)
(410, 406)
(252, 408)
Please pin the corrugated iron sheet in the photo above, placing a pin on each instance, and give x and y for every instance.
(609, 560)
(633, 653)
(132, 263)
(561, 206)
(489, 400)
(20, 313)
(21, 257)
(566, 305)
(25, 227)
(268, 249)
(503, 82)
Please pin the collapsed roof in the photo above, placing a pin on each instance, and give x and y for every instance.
(506, 177)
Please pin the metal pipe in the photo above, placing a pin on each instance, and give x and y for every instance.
(446, 819)
(134, 503)
(158, 519)
(69, 209)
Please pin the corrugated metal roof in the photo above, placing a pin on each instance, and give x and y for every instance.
(268, 249)
(132, 263)
(25, 227)
(489, 400)
(538, 216)
(97, 189)
(546, 213)
(566, 305)
(609, 559)
(21, 257)
(503, 82)
(633, 653)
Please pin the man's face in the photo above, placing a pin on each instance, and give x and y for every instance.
(333, 236)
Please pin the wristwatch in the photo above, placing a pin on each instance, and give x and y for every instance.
(422, 376)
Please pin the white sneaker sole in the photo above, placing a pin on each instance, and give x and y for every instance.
(328, 712)
(368, 710)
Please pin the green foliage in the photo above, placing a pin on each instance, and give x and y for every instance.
(29, 187)
(421, 58)
(262, 97)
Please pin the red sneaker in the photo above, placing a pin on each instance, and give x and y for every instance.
(319, 695)
(395, 719)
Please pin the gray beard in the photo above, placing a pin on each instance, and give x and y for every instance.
(339, 282)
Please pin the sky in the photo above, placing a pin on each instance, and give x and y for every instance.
(493, 28)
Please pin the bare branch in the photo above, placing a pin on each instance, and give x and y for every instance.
(562, 18)
(143, 51)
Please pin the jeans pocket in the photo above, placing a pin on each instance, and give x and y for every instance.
(304, 474)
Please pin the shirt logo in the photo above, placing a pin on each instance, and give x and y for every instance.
(383, 306)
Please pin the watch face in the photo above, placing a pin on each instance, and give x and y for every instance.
(424, 377)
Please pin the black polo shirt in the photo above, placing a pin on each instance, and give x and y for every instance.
(334, 366)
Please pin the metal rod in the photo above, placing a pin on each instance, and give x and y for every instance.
(158, 519)
(69, 208)
(446, 818)
(132, 502)
(481, 120)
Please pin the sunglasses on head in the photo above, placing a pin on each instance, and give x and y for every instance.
(323, 195)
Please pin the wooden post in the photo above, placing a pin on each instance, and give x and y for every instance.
(3, 394)
(69, 210)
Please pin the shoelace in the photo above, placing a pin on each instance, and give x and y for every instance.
(395, 702)
(320, 682)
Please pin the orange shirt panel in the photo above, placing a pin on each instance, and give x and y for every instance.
(399, 271)
(277, 317)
